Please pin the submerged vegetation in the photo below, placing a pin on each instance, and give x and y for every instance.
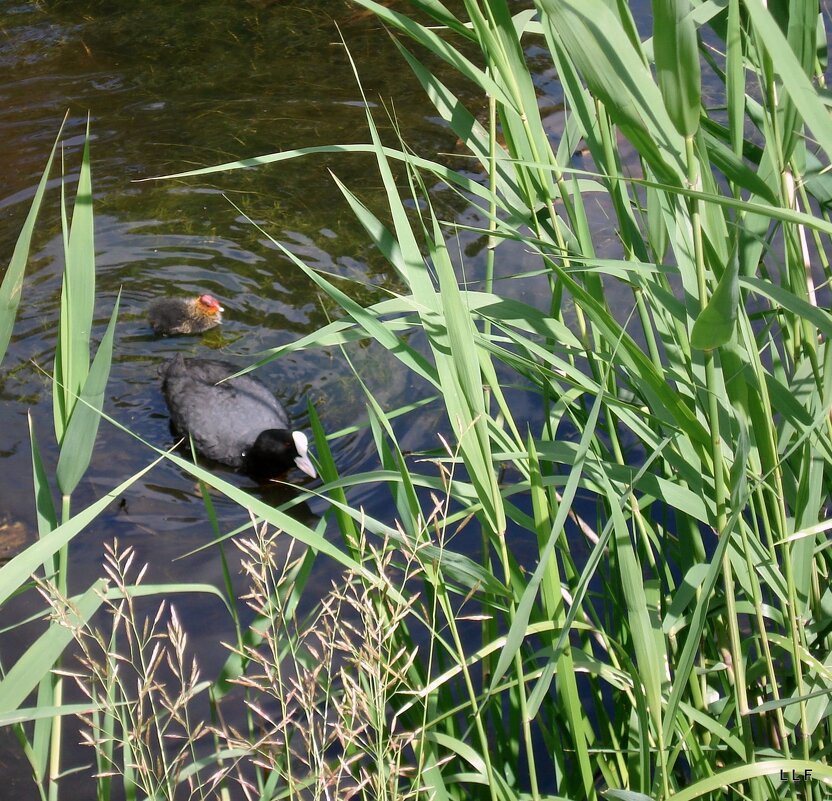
(641, 609)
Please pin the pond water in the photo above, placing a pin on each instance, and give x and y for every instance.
(169, 90)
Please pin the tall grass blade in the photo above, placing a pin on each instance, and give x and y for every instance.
(44, 505)
(795, 81)
(775, 768)
(616, 74)
(439, 47)
(72, 357)
(735, 77)
(716, 322)
(21, 567)
(466, 126)
(12, 286)
(677, 63)
(452, 337)
(81, 430)
(522, 615)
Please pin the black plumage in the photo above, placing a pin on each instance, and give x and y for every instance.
(237, 422)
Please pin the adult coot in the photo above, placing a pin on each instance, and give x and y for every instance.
(184, 315)
(237, 422)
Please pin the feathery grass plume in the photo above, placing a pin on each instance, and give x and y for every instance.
(321, 690)
(142, 688)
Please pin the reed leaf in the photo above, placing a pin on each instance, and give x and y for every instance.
(452, 338)
(522, 614)
(796, 83)
(12, 286)
(72, 356)
(440, 48)
(44, 506)
(616, 74)
(18, 570)
(743, 773)
(82, 427)
(677, 63)
(716, 322)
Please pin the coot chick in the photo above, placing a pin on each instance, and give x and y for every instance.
(184, 315)
(238, 422)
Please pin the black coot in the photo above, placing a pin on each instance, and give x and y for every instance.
(169, 316)
(236, 422)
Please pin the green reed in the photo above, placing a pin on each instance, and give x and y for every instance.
(672, 642)
(78, 387)
(697, 652)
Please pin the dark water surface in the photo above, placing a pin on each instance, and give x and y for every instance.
(170, 87)
(169, 90)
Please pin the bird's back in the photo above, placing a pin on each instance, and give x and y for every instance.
(224, 418)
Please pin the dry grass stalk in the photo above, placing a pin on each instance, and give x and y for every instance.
(323, 692)
(143, 684)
